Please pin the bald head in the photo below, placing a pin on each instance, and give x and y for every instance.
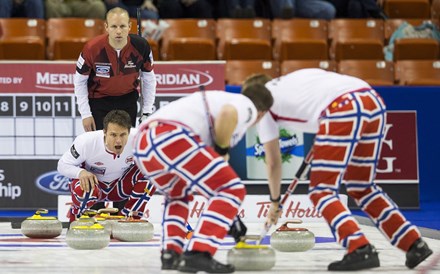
(117, 11)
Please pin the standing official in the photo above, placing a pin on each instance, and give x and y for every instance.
(348, 118)
(183, 148)
(108, 70)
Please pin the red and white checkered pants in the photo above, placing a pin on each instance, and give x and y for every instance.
(132, 185)
(179, 164)
(346, 149)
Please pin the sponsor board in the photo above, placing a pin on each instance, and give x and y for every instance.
(253, 210)
(30, 184)
(399, 156)
(292, 153)
(53, 183)
(7, 189)
(57, 77)
(398, 162)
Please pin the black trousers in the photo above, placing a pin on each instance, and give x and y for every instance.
(101, 106)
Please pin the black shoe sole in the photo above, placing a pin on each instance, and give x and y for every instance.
(359, 266)
(421, 259)
(187, 269)
(356, 267)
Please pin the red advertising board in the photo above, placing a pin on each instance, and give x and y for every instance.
(57, 77)
(398, 161)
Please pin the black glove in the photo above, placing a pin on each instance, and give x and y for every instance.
(143, 117)
(237, 229)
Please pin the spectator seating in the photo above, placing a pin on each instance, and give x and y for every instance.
(299, 39)
(244, 39)
(418, 72)
(189, 39)
(356, 39)
(236, 71)
(416, 49)
(392, 24)
(374, 72)
(435, 9)
(349, 46)
(292, 65)
(22, 39)
(67, 36)
(412, 48)
(407, 8)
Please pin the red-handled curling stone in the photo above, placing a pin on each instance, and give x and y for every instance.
(132, 230)
(292, 239)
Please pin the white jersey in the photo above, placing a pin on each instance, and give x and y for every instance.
(191, 111)
(89, 152)
(300, 97)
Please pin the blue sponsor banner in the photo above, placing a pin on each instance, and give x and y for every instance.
(30, 184)
(53, 183)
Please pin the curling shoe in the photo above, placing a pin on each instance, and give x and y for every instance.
(417, 253)
(194, 261)
(170, 259)
(362, 258)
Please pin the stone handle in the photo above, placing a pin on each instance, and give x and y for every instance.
(108, 210)
(90, 212)
(285, 226)
(41, 211)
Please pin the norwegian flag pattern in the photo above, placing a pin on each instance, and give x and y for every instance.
(347, 149)
(179, 164)
(132, 185)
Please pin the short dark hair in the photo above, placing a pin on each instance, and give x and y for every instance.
(259, 78)
(119, 117)
(259, 95)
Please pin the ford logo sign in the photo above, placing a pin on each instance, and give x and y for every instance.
(53, 183)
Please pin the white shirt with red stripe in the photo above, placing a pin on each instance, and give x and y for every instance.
(300, 97)
(191, 112)
(88, 152)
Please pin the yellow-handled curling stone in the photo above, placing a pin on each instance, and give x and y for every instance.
(39, 226)
(132, 230)
(86, 219)
(292, 239)
(247, 257)
(105, 218)
(101, 218)
(87, 237)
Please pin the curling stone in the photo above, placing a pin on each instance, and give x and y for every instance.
(39, 226)
(84, 220)
(132, 230)
(104, 217)
(105, 223)
(292, 239)
(87, 237)
(247, 257)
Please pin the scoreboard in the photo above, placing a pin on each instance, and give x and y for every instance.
(37, 124)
